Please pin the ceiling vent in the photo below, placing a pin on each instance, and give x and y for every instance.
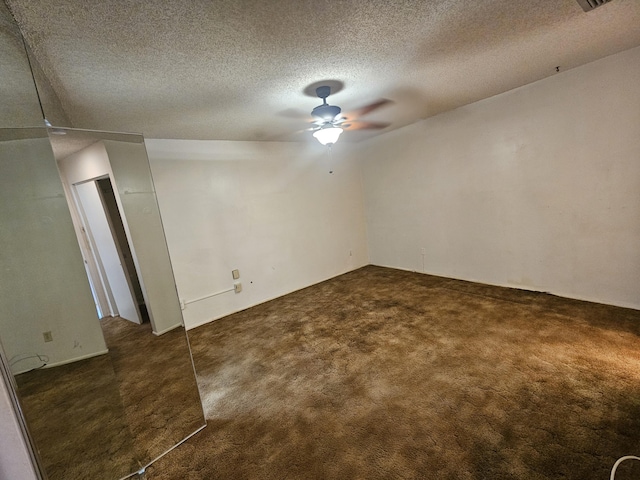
(588, 5)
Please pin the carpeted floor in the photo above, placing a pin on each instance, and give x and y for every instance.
(107, 416)
(157, 385)
(77, 420)
(385, 374)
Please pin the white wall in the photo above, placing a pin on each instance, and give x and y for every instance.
(127, 166)
(104, 246)
(136, 195)
(537, 188)
(88, 163)
(44, 286)
(15, 462)
(270, 209)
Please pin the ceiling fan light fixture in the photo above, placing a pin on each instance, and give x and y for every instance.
(328, 135)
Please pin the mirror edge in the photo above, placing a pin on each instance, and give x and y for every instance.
(27, 441)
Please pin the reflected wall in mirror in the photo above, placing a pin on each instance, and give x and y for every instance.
(113, 203)
(101, 359)
(104, 379)
(43, 291)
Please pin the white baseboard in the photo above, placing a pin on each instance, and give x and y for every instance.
(209, 320)
(162, 332)
(557, 293)
(65, 362)
(77, 359)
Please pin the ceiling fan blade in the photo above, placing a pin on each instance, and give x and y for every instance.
(360, 112)
(360, 125)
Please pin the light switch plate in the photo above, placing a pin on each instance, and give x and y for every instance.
(236, 274)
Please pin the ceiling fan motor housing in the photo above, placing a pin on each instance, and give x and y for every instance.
(326, 112)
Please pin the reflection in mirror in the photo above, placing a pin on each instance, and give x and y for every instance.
(103, 373)
(94, 335)
(78, 401)
(70, 404)
(19, 103)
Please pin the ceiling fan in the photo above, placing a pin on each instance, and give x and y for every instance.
(330, 122)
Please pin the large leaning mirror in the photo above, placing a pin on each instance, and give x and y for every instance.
(90, 322)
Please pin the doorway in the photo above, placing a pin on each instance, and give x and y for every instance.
(110, 249)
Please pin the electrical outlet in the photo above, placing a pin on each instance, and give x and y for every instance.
(423, 251)
(237, 287)
(47, 336)
(235, 274)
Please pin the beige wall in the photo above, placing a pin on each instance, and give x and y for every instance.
(271, 210)
(537, 188)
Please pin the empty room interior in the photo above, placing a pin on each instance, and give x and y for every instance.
(320, 240)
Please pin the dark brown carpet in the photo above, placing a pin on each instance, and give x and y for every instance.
(385, 374)
(157, 385)
(76, 417)
(105, 417)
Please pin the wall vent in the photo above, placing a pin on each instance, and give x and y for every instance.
(588, 5)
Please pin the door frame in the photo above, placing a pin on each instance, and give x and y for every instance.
(96, 266)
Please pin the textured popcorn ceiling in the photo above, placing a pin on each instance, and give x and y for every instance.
(236, 69)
